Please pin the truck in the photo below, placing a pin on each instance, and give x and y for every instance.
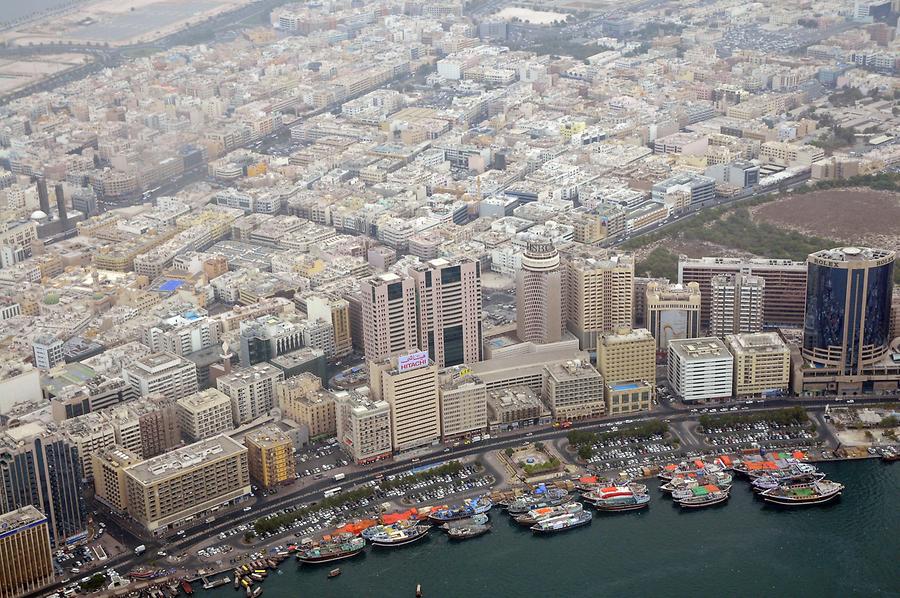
(339, 476)
(140, 550)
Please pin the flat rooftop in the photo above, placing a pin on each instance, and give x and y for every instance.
(757, 342)
(633, 335)
(699, 349)
(174, 462)
(20, 518)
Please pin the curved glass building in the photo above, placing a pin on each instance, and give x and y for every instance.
(848, 307)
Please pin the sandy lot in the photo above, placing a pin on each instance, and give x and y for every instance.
(18, 73)
(119, 22)
(851, 215)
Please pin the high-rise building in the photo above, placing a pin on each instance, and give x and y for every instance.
(736, 305)
(60, 194)
(48, 351)
(388, 304)
(448, 297)
(700, 369)
(784, 297)
(409, 384)
(164, 373)
(848, 307)
(599, 288)
(40, 468)
(627, 361)
(109, 477)
(270, 457)
(303, 400)
(251, 389)
(87, 434)
(174, 489)
(337, 311)
(43, 196)
(539, 300)
(762, 363)
(204, 414)
(639, 299)
(363, 427)
(463, 403)
(673, 312)
(159, 424)
(26, 562)
(573, 390)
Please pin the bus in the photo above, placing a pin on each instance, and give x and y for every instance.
(332, 492)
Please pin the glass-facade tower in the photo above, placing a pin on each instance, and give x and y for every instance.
(848, 307)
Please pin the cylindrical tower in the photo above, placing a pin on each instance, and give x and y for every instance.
(848, 307)
(539, 295)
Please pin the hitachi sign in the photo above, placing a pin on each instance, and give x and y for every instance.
(413, 361)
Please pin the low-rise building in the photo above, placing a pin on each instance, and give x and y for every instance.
(512, 407)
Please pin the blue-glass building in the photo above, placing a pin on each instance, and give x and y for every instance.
(848, 307)
(38, 468)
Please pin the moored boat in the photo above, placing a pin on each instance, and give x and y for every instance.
(469, 508)
(400, 536)
(535, 515)
(334, 572)
(817, 492)
(767, 482)
(186, 586)
(480, 519)
(465, 532)
(618, 498)
(333, 549)
(562, 522)
(551, 497)
(696, 467)
(703, 496)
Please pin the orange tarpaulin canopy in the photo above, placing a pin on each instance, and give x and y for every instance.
(799, 455)
(588, 479)
(355, 527)
(726, 460)
(390, 518)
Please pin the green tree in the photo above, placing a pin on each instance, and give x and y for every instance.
(509, 452)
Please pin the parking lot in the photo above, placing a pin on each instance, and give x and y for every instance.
(758, 435)
(631, 454)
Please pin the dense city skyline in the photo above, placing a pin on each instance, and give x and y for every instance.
(266, 265)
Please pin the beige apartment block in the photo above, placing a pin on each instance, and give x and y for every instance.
(180, 487)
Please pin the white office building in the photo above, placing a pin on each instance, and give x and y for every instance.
(700, 369)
